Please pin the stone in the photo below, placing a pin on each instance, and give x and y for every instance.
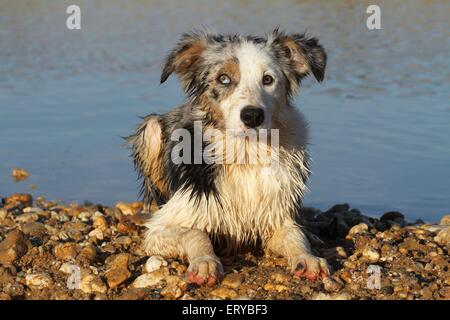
(133, 294)
(88, 253)
(38, 280)
(392, 216)
(150, 279)
(100, 222)
(20, 198)
(66, 251)
(275, 287)
(233, 280)
(130, 208)
(443, 237)
(27, 217)
(14, 246)
(172, 292)
(92, 283)
(118, 271)
(97, 234)
(371, 254)
(330, 285)
(154, 263)
(339, 208)
(357, 229)
(338, 296)
(224, 293)
(34, 229)
(19, 174)
(445, 220)
(279, 277)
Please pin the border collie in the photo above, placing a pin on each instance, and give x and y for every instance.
(237, 87)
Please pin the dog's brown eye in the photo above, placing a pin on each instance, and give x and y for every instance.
(224, 79)
(267, 80)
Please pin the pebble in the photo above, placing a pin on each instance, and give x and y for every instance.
(371, 254)
(154, 263)
(3, 213)
(172, 292)
(92, 283)
(14, 246)
(224, 293)
(150, 279)
(100, 222)
(275, 287)
(20, 198)
(96, 234)
(118, 271)
(339, 296)
(66, 251)
(130, 208)
(34, 229)
(19, 174)
(330, 285)
(233, 280)
(88, 253)
(357, 229)
(27, 217)
(445, 220)
(279, 277)
(443, 237)
(38, 280)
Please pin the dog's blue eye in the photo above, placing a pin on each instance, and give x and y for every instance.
(224, 79)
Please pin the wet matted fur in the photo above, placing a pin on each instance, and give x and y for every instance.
(233, 204)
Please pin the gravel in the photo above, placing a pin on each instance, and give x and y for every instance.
(49, 250)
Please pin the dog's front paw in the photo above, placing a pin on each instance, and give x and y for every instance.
(310, 267)
(205, 270)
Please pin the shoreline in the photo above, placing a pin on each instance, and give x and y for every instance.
(50, 250)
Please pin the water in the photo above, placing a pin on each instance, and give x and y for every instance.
(380, 123)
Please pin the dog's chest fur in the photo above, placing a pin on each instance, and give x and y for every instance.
(251, 201)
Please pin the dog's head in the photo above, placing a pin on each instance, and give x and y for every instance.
(241, 81)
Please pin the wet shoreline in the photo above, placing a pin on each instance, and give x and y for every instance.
(43, 244)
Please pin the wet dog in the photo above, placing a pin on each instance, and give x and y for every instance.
(237, 87)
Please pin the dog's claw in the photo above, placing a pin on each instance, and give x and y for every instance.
(205, 270)
(311, 267)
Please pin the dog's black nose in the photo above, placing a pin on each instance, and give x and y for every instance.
(252, 116)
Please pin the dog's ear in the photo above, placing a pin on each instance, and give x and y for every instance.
(184, 58)
(299, 56)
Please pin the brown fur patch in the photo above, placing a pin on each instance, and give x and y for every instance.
(296, 54)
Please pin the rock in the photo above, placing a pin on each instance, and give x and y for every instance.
(100, 222)
(4, 296)
(331, 285)
(339, 296)
(279, 277)
(67, 268)
(3, 213)
(130, 208)
(172, 292)
(224, 293)
(97, 234)
(133, 294)
(154, 263)
(92, 283)
(445, 220)
(13, 247)
(20, 198)
(150, 279)
(19, 174)
(140, 219)
(38, 280)
(275, 287)
(443, 237)
(125, 227)
(371, 254)
(66, 251)
(357, 229)
(27, 217)
(392, 216)
(233, 280)
(88, 253)
(339, 208)
(118, 271)
(125, 241)
(34, 229)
